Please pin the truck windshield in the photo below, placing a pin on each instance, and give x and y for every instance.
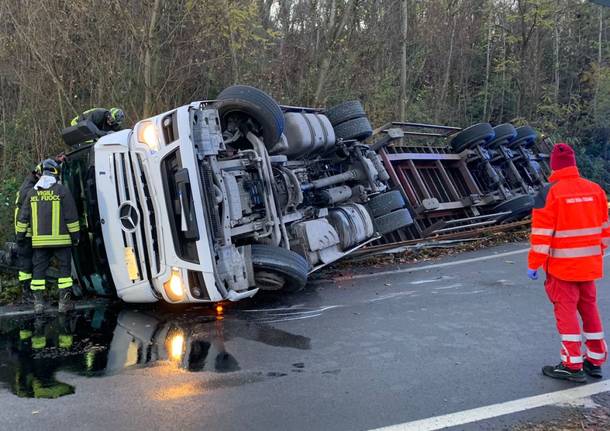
(180, 207)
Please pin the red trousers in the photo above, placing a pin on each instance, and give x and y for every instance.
(571, 298)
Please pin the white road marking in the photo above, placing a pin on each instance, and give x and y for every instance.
(434, 280)
(451, 286)
(566, 396)
(436, 265)
(392, 295)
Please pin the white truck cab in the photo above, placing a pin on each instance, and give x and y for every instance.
(215, 200)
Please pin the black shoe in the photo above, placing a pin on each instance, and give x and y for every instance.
(592, 370)
(564, 373)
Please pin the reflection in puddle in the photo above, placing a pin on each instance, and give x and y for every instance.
(106, 341)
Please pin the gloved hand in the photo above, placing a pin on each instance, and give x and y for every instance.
(532, 274)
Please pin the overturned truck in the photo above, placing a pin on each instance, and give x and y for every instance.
(219, 199)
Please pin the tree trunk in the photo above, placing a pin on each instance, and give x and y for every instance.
(403, 63)
(148, 63)
(599, 59)
(556, 46)
(490, 25)
(445, 87)
(333, 33)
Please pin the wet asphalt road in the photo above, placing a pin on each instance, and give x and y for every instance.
(356, 354)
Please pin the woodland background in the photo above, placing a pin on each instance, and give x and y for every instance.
(455, 62)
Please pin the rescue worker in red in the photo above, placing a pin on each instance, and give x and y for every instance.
(570, 231)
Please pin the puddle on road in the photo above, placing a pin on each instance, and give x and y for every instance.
(107, 340)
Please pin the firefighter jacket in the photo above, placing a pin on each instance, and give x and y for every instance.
(52, 215)
(570, 227)
(27, 185)
(99, 117)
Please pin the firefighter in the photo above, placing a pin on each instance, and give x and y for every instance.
(105, 120)
(24, 245)
(50, 211)
(570, 231)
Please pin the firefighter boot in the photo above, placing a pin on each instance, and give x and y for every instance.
(38, 301)
(592, 370)
(26, 293)
(65, 301)
(564, 373)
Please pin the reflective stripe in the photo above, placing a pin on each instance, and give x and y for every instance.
(64, 282)
(24, 334)
(594, 355)
(34, 206)
(55, 213)
(560, 253)
(542, 231)
(572, 359)
(24, 276)
(39, 342)
(65, 341)
(606, 225)
(606, 241)
(542, 249)
(21, 227)
(571, 337)
(37, 284)
(578, 232)
(593, 335)
(73, 227)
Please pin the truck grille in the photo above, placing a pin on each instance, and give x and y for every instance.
(127, 192)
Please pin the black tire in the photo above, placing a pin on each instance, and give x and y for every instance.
(526, 136)
(386, 203)
(286, 264)
(520, 207)
(358, 129)
(255, 104)
(505, 133)
(345, 111)
(393, 221)
(479, 133)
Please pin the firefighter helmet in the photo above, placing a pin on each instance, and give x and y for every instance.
(50, 166)
(117, 116)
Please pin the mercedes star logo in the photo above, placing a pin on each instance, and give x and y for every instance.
(129, 216)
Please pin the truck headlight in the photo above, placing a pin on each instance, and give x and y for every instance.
(148, 135)
(174, 287)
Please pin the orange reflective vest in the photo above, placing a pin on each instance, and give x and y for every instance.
(570, 228)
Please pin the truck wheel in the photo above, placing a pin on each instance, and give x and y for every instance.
(526, 136)
(393, 221)
(519, 207)
(505, 133)
(276, 268)
(385, 203)
(239, 103)
(479, 133)
(345, 111)
(358, 129)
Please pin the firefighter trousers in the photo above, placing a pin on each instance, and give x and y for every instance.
(24, 260)
(41, 261)
(571, 298)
